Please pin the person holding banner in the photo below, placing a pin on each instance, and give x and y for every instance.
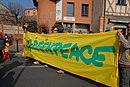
(55, 31)
(124, 61)
(25, 28)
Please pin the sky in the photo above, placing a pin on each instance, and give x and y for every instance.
(24, 3)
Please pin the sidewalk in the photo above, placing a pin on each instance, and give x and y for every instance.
(13, 50)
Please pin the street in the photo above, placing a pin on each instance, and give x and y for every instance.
(19, 72)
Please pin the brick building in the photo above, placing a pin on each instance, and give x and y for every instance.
(116, 15)
(30, 14)
(75, 14)
(5, 15)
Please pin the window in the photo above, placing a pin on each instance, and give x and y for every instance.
(70, 9)
(28, 12)
(81, 26)
(84, 9)
(121, 2)
(34, 12)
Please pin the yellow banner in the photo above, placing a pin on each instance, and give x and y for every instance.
(94, 56)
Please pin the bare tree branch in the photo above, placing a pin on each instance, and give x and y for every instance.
(17, 10)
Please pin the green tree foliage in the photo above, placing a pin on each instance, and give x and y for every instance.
(32, 26)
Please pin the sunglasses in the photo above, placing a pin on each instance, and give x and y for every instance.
(55, 30)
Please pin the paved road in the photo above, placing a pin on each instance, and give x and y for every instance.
(21, 73)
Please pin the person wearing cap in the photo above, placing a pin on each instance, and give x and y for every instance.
(124, 61)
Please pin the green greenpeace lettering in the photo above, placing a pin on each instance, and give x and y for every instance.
(70, 51)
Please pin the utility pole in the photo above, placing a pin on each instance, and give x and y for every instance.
(2, 27)
(18, 29)
(104, 15)
(17, 39)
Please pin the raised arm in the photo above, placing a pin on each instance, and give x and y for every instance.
(123, 41)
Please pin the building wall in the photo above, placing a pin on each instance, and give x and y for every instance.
(120, 13)
(80, 22)
(30, 14)
(115, 9)
(47, 13)
(9, 29)
(5, 15)
(78, 10)
(97, 12)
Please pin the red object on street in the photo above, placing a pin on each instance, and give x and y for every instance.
(0, 33)
(6, 55)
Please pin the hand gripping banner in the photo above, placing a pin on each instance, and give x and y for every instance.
(93, 56)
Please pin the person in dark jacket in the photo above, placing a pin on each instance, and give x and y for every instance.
(1, 45)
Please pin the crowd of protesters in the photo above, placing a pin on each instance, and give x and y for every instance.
(124, 61)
